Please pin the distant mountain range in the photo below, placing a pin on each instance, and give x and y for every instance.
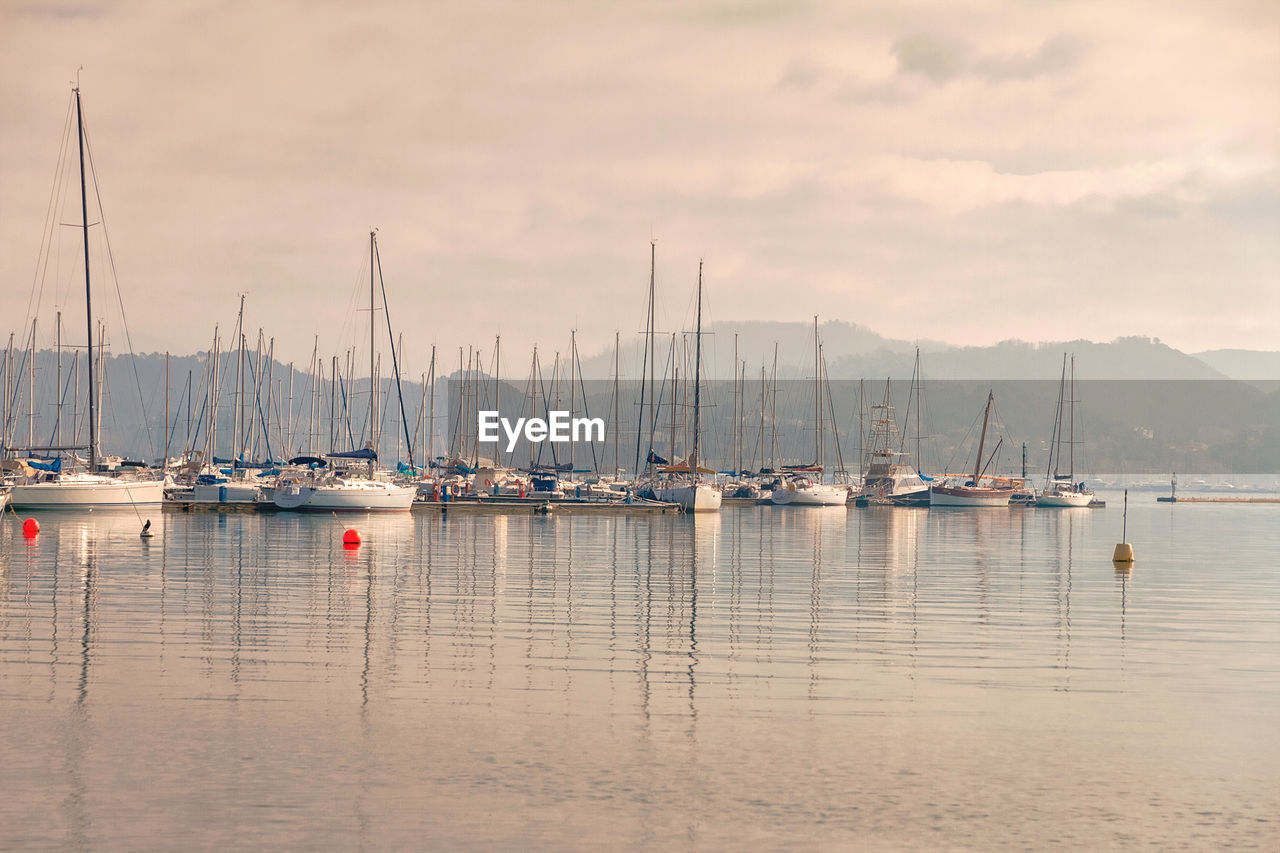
(1228, 424)
(856, 352)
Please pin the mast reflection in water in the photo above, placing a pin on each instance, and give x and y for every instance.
(887, 677)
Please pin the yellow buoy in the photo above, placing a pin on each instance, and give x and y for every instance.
(1123, 554)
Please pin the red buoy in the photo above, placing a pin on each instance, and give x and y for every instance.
(30, 527)
(351, 537)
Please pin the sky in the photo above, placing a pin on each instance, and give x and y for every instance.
(961, 171)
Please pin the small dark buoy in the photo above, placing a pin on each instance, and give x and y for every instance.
(30, 528)
(351, 537)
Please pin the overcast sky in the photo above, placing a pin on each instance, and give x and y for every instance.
(967, 172)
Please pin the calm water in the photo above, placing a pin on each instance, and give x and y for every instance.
(881, 678)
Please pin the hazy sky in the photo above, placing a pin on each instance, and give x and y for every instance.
(968, 172)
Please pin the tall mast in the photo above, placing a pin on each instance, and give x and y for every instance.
(736, 421)
(617, 461)
(31, 388)
(986, 415)
(918, 379)
(373, 393)
(773, 408)
(573, 396)
(59, 386)
(817, 399)
(431, 414)
(1055, 443)
(186, 443)
(762, 407)
(697, 376)
(166, 406)
(647, 366)
(88, 293)
(1071, 430)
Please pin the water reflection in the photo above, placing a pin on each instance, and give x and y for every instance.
(664, 670)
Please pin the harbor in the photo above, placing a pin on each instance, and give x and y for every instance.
(684, 427)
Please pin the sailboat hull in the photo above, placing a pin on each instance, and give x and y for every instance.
(699, 497)
(87, 491)
(1064, 498)
(347, 497)
(816, 495)
(968, 496)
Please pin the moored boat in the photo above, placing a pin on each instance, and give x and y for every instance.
(1061, 489)
(78, 489)
(804, 491)
(970, 492)
(48, 486)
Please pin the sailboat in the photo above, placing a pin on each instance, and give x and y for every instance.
(971, 493)
(1061, 490)
(890, 477)
(686, 488)
(323, 485)
(804, 486)
(54, 489)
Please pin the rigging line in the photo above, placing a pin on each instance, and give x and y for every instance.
(395, 362)
(595, 462)
(546, 405)
(111, 261)
(177, 415)
(342, 388)
(46, 234)
(60, 397)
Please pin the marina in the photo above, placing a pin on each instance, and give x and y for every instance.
(713, 426)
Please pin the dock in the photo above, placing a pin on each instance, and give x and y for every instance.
(1167, 499)
(543, 505)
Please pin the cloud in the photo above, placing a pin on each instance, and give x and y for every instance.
(937, 58)
(942, 60)
(887, 165)
(1057, 55)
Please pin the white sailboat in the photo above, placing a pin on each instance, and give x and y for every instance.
(686, 487)
(971, 493)
(1062, 490)
(804, 486)
(306, 490)
(318, 486)
(71, 490)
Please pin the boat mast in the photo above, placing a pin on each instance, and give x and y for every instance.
(373, 394)
(431, 414)
(986, 415)
(617, 410)
(88, 292)
(31, 389)
(1071, 429)
(918, 379)
(817, 401)
(737, 467)
(697, 376)
(647, 367)
(166, 402)
(1055, 442)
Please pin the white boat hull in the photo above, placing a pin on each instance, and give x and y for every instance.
(87, 491)
(967, 496)
(816, 495)
(225, 493)
(1065, 498)
(348, 497)
(698, 497)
